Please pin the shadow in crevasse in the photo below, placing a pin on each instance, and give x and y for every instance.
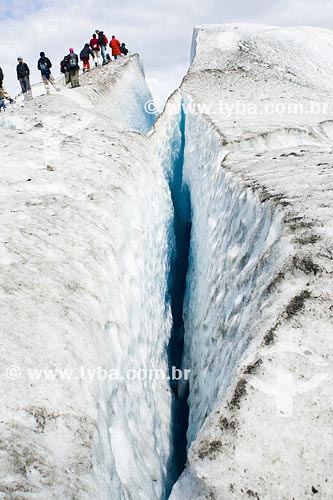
(180, 248)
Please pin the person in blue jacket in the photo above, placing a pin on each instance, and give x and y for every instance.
(44, 65)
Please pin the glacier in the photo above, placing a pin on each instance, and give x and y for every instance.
(256, 313)
(85, 219)
(198, 239)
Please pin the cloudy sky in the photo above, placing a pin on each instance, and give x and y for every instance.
(159, 30)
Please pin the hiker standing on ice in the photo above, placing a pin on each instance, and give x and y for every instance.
(73, 68)
(115, 46)
(85, 54)
(64, 69)
(2, 101)
(23, 76)
(3, 90)
(44, 65)
(103, 42)
(123, 49)
(94, 45)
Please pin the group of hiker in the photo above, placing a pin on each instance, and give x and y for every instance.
(95, 49)
(69, 66)
(98, 44)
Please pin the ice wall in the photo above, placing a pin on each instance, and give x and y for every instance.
(121, 94)
(235, 253)
(85, 214)
(257, 336)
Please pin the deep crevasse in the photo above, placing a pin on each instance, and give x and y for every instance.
(172, 161)
(234, 254)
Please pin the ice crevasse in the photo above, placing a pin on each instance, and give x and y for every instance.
(92, 248)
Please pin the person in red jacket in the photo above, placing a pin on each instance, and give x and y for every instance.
(115, 46)
(94, 45)
(85, 54)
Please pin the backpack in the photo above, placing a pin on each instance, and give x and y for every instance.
(63, 66)
(43, 68)
(72, 62)
(82, 54)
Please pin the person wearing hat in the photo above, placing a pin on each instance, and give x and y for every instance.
(44, 65)
(23, 76)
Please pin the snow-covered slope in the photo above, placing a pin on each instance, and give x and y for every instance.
(258, 307)
(118, 91)
(85, 213)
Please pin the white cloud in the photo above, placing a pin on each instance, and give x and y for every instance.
(16, 8)
(303, 12)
